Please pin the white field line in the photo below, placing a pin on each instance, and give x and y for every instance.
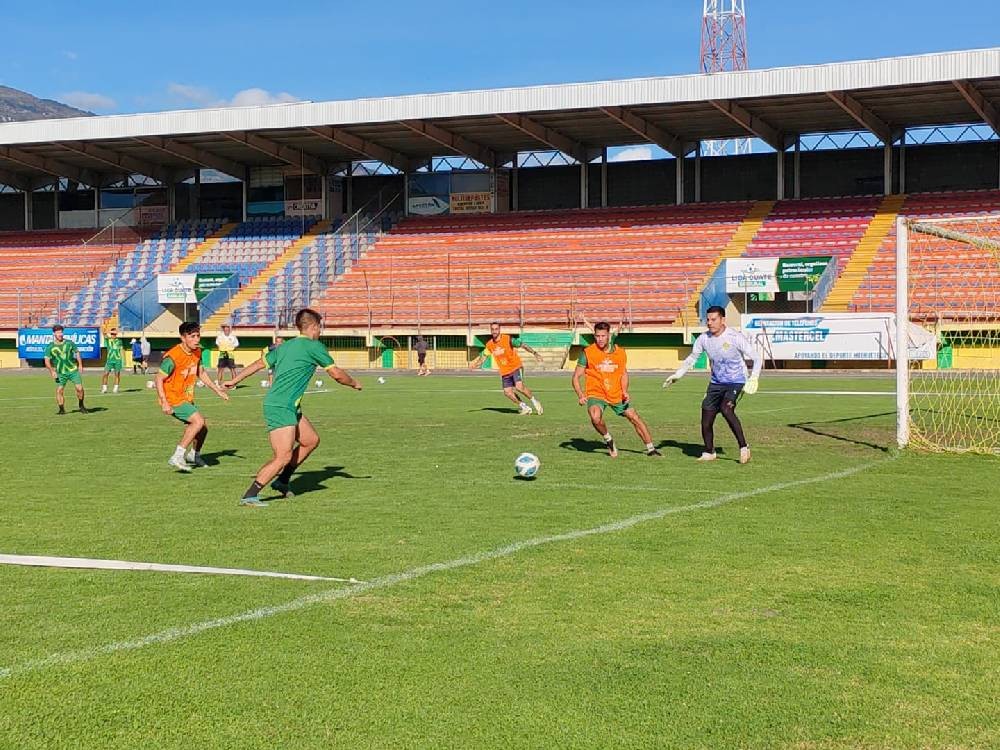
(42, 561)
(330, 595)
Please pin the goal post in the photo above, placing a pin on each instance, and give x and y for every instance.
(948, 283)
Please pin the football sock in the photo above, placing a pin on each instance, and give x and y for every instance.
(179, 452)
(608, 438)
(254, 489)
(286, 474)
(650, 446)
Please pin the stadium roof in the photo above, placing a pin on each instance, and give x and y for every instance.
(675, 112)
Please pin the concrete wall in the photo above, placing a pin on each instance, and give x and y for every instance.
(11, 211)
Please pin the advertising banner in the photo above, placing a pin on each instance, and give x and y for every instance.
(304, 207)
(175, 288)
(775, 274)
(428, 194)
(834, 336)
(31, 342)
(146, 215)
(470, 203)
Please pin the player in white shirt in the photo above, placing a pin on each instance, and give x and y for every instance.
(227, 343)
(727, 351)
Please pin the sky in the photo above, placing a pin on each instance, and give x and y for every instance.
(121, 57)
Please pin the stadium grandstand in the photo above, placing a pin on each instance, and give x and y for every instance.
(438, 213)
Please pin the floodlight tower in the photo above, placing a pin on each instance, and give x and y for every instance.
(724, 48)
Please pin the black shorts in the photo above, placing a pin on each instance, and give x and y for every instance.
(226, 360)
(719, 393)
(421, 357)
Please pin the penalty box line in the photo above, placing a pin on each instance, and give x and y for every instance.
(170, 635)
(87, 563)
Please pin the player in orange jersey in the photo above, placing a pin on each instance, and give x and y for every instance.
(605, 365)
(503, 348)
(179, 371)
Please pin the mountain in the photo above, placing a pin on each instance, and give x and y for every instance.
(19, 105)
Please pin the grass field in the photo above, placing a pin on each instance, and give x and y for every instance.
(831, 594)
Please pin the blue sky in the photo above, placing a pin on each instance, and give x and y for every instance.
(114, 57)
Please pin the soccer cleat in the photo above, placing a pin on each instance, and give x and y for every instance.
(84, 410)
(744, 455)
(612, 448)
(179, 463)
(104, 389)
(654, 452)
(252, 502)
(62, 410)
(538, 406)
(707, 457)
(282, 488)
(194, 459)
(524, 409)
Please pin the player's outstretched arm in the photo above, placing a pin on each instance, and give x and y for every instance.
(343, 377)
(164, 404)
(203, 376)
(245, 373)
(687, 364)
(577, 374)
(478, 361)
(531, 351)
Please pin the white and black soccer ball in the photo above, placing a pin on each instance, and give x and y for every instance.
(527, 465)
(319, 383)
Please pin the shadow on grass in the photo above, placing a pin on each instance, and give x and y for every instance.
(212, 459)
(498, 409)
(688, 449)
(308, 481)
(593, 446)
(93, 409)
(825, 429)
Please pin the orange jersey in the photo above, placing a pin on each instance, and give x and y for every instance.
(605, 368)
(504, 352)
(179, 384)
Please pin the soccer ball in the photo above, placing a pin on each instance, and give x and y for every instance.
(150, 384)
(526, 465)
(319, 383)
(263, 384)
(381, 380)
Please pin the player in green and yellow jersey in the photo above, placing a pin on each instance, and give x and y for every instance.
(63, 361)
(113, 361)
(291, 434)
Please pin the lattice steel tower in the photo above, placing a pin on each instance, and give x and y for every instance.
(724, 48)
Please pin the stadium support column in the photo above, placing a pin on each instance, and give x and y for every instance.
(697, 173)
(245, 191)
(349, 189)
(513, 184)
(584, 185)
(28, 195)
(902, 162)
(97, 207)
(679, 177)
(55, 203)
(779, 192)
(194, 197)
(797, 169)
(604, 177)
(887, 168)
(324, 193)
(172, 199)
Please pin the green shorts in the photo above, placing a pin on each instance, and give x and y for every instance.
(69, 377)
(618, 409)
(112, 366)
(281, 416)
(184, 412)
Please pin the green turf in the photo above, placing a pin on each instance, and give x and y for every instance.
(855, 611)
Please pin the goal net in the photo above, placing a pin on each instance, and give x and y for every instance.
(949, 283)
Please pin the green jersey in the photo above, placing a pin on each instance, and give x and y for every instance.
(62, 356)
(294, 363)
(114, 347)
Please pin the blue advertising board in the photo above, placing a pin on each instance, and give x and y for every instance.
(31, 342)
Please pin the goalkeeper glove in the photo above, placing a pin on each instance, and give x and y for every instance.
(751, 386)
(670, 381)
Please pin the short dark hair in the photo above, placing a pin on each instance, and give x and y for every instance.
(602, 326)
(495, 323)
(58, 327)
(188, 327)
(305, 316)
(716, 309)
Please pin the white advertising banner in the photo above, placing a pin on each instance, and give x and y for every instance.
(175, 287)
(304, 207)
(834, 336)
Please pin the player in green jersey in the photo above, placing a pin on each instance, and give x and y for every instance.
(114, 360)
(63, 361)
(291, 434)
